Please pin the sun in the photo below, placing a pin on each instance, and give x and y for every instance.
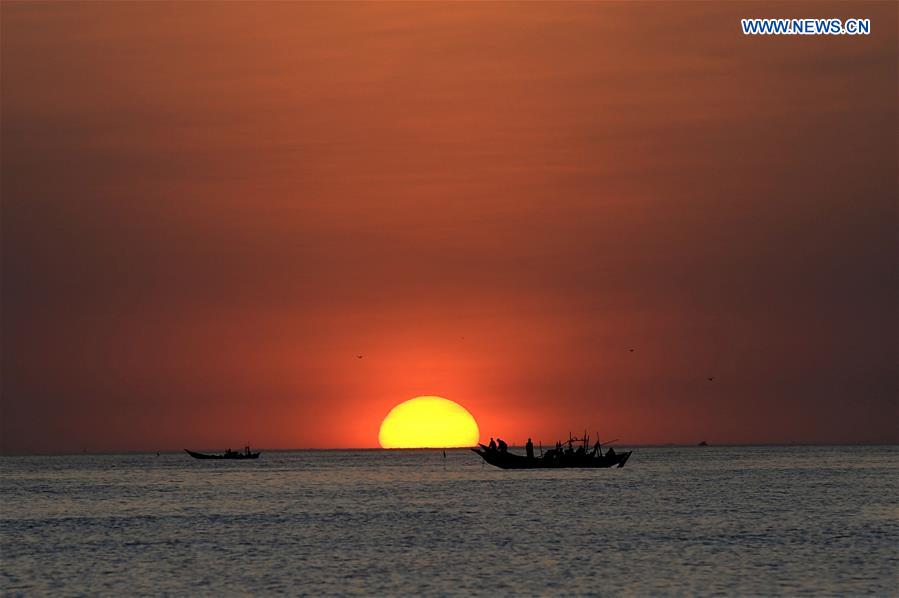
(428, 422)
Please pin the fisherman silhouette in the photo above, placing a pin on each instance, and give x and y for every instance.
(529, 449)
(492, 446)
(503, 447)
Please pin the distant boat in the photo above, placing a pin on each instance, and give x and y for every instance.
(555, 458)
(703, 443)
(229, 454)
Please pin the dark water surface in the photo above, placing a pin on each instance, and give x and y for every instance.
(732, 520)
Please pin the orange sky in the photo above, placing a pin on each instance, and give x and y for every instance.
(208, 209)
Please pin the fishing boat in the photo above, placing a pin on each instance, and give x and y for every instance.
(229, 454)
(555, 458)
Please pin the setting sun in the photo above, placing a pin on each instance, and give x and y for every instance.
(428, 422)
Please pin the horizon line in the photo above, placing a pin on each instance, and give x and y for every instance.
(456, 448)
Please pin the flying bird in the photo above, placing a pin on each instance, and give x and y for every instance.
(631, 350)
(710, 378)
(359, 356)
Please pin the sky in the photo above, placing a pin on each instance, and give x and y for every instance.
(210, 209)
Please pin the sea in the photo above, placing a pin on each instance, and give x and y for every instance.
(699, 521)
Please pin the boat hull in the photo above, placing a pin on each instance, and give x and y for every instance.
(228, 456)
(507, 460)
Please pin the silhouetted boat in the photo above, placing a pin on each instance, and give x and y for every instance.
(703, 443)
(229, 454)
(555, 458)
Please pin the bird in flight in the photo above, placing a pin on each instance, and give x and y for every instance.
(631, 350)
(710, 378)
(359, 356)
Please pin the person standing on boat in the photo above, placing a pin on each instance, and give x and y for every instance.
(492, 446)
(529, 449)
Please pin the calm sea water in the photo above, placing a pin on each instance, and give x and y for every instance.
(737, 520)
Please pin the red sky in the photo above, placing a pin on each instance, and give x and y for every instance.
(208, 209)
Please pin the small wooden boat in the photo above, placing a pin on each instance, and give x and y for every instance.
(229, 454)
(554, 458)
